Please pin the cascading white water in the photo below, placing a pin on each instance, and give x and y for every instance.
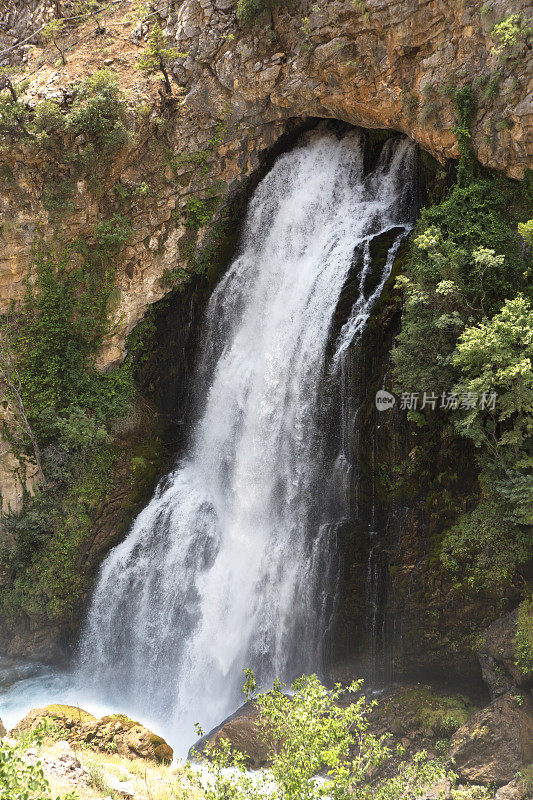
(230, 565)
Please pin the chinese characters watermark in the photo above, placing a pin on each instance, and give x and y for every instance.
(413, 401)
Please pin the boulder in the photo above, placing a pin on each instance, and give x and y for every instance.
(497, 656)
(515, 790)
(113, 733)
(496, 742)
(242, 731)
(67, 718)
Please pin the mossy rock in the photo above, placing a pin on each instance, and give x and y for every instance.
(67, 717)
(419, 709)
(163, 752)
(125, 721)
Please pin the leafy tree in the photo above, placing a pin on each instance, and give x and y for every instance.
(312, 733)
(496, 357)
(53, 31)
(157, 57)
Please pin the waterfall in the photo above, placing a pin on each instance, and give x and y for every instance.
(232, 563)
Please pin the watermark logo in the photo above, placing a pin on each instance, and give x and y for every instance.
(384, 400)
(411, 401)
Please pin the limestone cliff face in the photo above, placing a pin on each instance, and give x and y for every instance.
(376, 64)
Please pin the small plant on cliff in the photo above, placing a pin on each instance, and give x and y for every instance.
(511, 34)
(312, 733)
(249, 10)
(53, 31)
(14, 113)
(157, 57)
(523, 640)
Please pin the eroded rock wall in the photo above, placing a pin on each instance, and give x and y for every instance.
(376, 64)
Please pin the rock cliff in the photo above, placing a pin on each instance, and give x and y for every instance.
(374, 64)
(240, 94)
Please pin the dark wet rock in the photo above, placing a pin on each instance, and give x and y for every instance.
(243, 733)
(496, 742)
(497, 656)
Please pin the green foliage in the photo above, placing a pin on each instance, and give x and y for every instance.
(483, 549)
(14, 113)
(523, 640)
(248, 11)
(465, 107)
(110, 235)
(69, 404)
(58, 332)
(494, 540)
(157, 56)
(511, 35)
(98, 112)
(448, 284)
(21, 781)
(525, 230)
(463, 334)
(312, 732)
(48, 119)
(497, 356)
(198, 212)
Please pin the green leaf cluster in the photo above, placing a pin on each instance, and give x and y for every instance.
(511, 34)
(468, 328)
(248, 11)
(319, 745)
(20, 780)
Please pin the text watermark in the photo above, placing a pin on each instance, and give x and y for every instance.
(412, 401)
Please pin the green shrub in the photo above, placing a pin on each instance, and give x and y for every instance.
(511, 34)
(198, 212)
(49, 118)
(249, 10)
(21, 781)
(15, 115)
(157, 57)
(110, 235)
(309, 733)
(98, 112)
